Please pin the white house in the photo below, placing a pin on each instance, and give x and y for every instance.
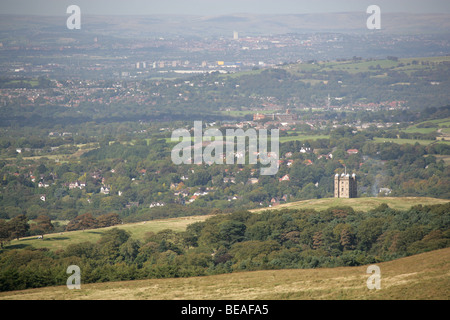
(104, 190)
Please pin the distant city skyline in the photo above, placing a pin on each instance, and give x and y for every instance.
(215, 7)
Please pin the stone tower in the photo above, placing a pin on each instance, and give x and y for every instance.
(345, 186)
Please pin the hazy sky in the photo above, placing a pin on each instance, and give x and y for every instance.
(217, 7)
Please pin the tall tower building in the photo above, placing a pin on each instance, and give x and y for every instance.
(235, 35)
(345, 186)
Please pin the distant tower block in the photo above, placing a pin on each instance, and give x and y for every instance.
(345, 186)
(235, 35)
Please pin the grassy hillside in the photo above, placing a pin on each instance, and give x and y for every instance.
(138, 230)
(359, 204)
(57, 241)
(403, 65)
(423, 276)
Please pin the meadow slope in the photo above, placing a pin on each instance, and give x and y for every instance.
(358, 204)
(138, 230)
(424, 276)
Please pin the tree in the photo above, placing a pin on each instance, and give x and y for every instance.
(110, 244)
(35, 211)
(19, 226)
(130, 250)
(231, 232)
(41, 169)
(368, 232)
(107, 220)
(42, 225)
(5, 232)
(317, 240)
(82, 222)
(346, 239)
(255, 250)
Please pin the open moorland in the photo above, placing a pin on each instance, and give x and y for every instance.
(424, 276)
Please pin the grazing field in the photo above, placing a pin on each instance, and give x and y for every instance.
(446, 159)
(424, 276)
(242, 113)
(407, 65)
(138, 230)
(56, 241)
(358, 204)
(430, 126)
(303, 137)
(410, 141)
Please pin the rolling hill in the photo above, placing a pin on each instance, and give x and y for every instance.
(424, 276)
(247, 23)
(358, 204)
(57, 241)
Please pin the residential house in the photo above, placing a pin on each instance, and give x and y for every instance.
(385, 191)
(229, 180)
(274, 202)
(157, 204)
(77, 184)
(43, 185)
(305, 150)
(104, 190)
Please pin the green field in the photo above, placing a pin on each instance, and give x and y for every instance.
(303, 137)
(443, 124)
(409, 141)
(445, 158)
(414, 129)
(358, 204)
(242, 113)
(282, 139)
(31, 82)
(138, 230)
(420, 277)
(403, 65)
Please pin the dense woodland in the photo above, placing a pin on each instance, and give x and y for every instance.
(241, 241)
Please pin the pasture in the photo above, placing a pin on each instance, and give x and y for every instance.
(420, 277)
(55, 241)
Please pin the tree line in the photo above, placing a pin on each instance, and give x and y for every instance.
(21, 226)
(240, 241)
